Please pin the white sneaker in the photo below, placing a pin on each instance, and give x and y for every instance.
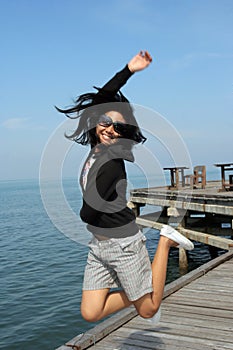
(156, 318)
(177, 237)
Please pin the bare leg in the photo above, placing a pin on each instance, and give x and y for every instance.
(98, 304)
(149, 304)
(159, 268)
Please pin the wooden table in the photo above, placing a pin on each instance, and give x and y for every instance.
(225, 167)
(175, 173)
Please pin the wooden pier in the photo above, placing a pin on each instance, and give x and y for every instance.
(197, 313)
(203, 215)
(197, 309)
(210, 200)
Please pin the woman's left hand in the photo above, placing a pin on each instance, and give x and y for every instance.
(140, 61)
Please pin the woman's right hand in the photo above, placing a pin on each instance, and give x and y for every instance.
(140, 61)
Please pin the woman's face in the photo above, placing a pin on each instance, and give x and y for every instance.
(107, 134)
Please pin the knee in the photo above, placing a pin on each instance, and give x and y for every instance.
(89, 315)
(148, 313)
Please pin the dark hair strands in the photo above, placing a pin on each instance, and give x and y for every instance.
(89, 106)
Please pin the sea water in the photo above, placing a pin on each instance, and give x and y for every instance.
(41, 269)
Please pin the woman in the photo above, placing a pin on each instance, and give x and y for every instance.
(118, 256)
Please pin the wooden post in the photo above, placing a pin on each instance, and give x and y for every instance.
(135, 208)
(183, 259)
(232, 228)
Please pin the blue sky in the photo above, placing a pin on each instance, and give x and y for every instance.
(52, 51)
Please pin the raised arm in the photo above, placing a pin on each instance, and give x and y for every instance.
(139, 62)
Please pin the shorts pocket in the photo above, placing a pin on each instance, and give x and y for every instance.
(135, 246)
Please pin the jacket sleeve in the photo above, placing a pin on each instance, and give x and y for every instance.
(116, 82)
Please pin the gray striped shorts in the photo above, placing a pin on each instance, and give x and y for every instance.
(115, 264)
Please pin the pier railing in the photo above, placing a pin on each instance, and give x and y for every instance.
(198, 214)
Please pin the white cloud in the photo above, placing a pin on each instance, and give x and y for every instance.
(20, 123)
(15, 123)
(191, 58)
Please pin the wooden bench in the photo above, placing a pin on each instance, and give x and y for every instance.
(224, 168)
(198, 177)
(176, 176)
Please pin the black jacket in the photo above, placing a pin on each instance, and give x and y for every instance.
(104, 199)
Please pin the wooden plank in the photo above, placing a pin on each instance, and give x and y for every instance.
(182, 300)
(219, 242)
(163, 335)
(213, 294)
(193, 275)
(148, 223)
(176, 329)
(171, 316)
(118, 343)
(195, 310)
(206, 298)
(208, 200)
(82, 341)
(208, 331)
(91, 337)
(168, 320)
(211, 192)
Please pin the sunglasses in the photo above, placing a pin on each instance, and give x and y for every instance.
(119, 127)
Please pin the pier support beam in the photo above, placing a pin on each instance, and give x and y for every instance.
(135, 207)
(178, 216)
(183, 261)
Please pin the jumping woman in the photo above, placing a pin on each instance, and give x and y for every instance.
(117, 257)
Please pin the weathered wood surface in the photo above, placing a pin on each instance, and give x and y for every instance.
(220, 242)
(197, 313)
(215, 206)
(208, 200)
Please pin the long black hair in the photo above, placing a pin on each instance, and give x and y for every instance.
(89, 107)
